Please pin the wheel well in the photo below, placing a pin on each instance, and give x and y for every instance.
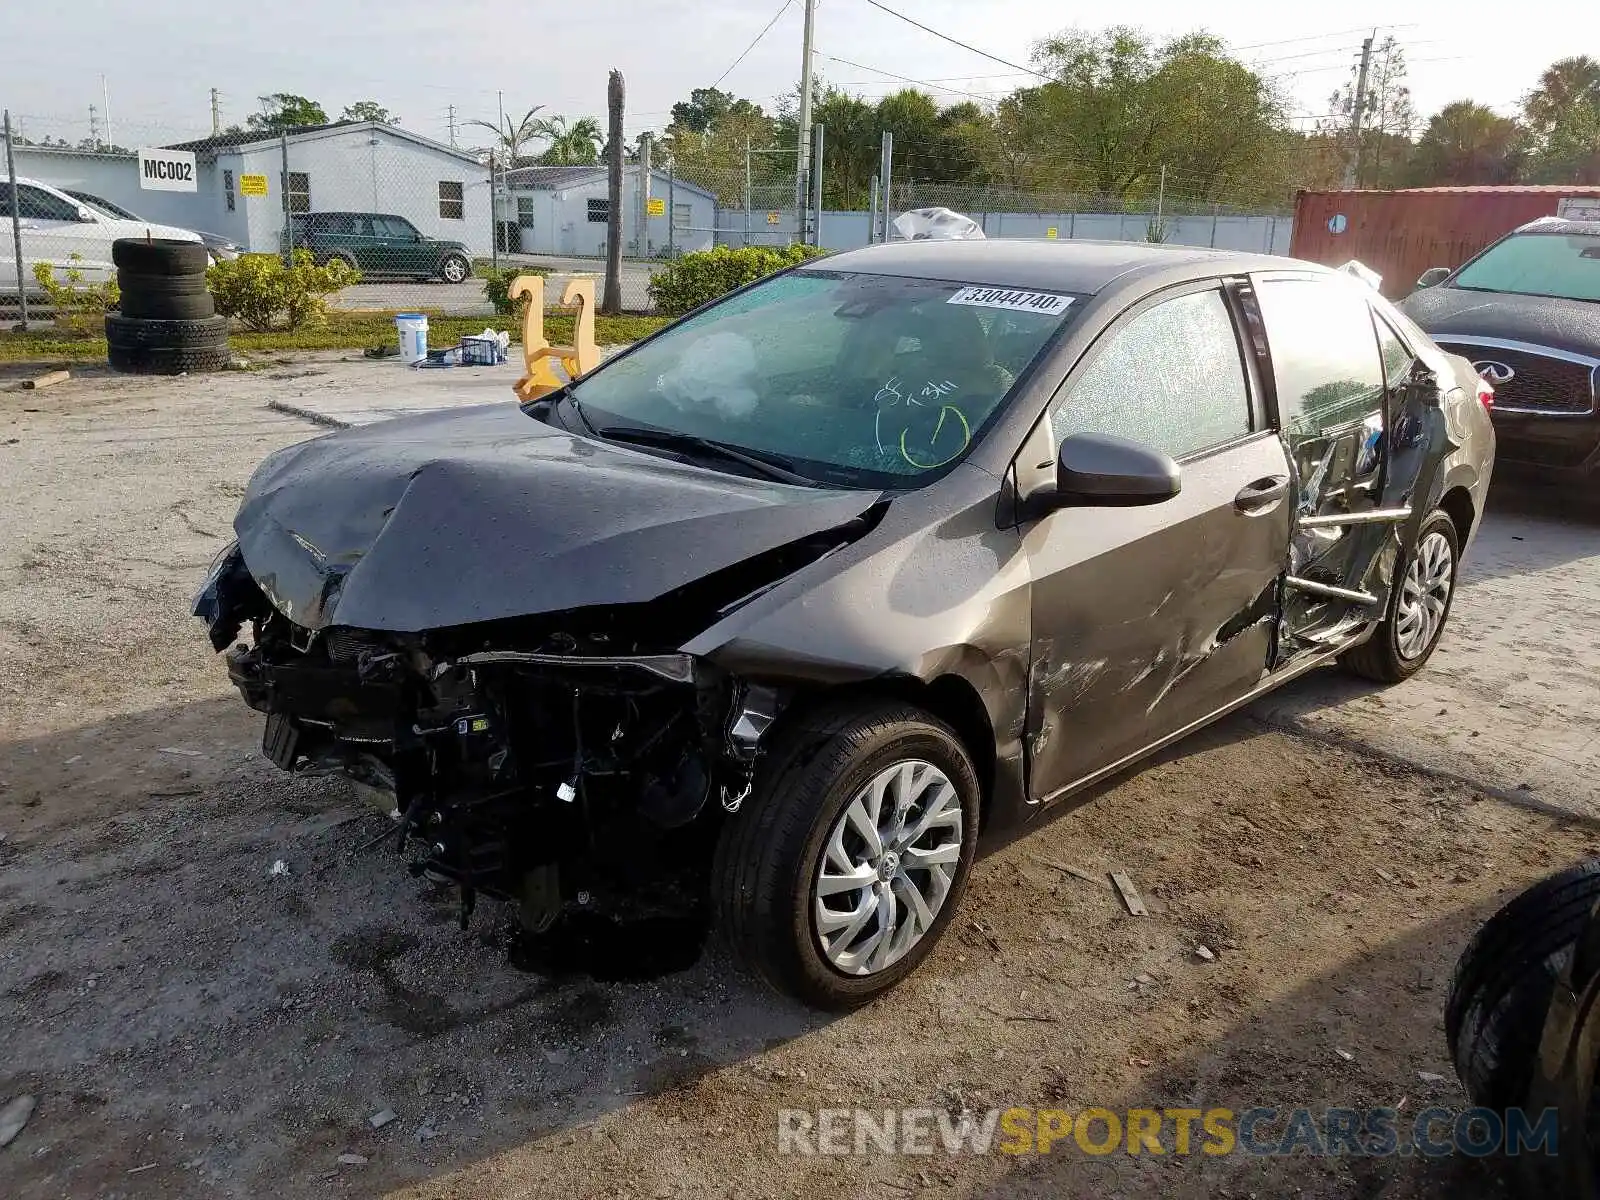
(1457, 504)
(951, 699)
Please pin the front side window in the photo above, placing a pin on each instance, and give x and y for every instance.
(1537, 264)
(452, 200)
(862, 380)
(1171, 378)
(40, 205)
(1397, 359)
(1324, 355)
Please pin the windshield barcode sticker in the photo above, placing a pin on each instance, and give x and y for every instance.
(1035, 302)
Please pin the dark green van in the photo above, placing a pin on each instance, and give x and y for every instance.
(380, 244)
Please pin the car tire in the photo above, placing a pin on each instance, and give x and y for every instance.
(1419, 606)
(768, 888)
(346, 258)
(159, 256)
(1504, 981)
(134, 333)
(168, 360)
(167, 308)
(455, 268)
(161, 285)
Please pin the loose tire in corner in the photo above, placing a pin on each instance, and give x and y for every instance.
(769, 890)
(159, 256)
(1386, 657)
(1503, 983)
(182, 360)
(131, 333)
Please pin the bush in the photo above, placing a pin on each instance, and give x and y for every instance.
(700, 277)
(265, 294)
(80, 307)
(497, 286)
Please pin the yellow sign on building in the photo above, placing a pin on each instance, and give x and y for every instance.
(772, 218)
(656, 206)
(252, 185)
(1051, 232)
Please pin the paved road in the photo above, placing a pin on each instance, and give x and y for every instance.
(467, 299)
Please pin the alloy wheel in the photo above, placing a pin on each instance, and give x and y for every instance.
(887, 867)
(1424, 595)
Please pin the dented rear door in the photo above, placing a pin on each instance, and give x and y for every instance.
(1148, 619)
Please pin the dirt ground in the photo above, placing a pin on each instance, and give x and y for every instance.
(194, 1025)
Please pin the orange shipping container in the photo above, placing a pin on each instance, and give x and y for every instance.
(1401, 234)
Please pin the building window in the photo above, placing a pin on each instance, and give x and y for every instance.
(525, 211)
(227, 188)
(600, 210)
(452, 200)
(682, 216)
(298, 192)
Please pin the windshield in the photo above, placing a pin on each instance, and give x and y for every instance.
(1538, 264)
(105, 206)
(865, 380)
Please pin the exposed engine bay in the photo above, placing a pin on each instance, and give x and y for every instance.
(527, 760)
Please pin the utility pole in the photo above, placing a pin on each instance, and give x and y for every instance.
(615, 96)
(216, 113)
(105, 95)
(886, 174)
(16, 223)
(747, 200)
(645, 143)
(1352, 172)
(451, 118)
(803, 151)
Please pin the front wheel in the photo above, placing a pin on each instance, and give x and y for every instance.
(846, 863)
(1419, 606)
(455, 268)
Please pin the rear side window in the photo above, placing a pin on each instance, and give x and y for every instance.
(1171, 378)
(1324, 355)
(1397, 359)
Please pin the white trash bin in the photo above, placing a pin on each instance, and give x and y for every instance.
(413, 329)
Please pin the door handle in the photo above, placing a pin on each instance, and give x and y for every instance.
(1262, 495)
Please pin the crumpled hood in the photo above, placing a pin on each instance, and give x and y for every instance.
(484, 513)
(1571, 325)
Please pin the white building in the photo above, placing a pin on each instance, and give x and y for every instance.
(349, 166)
(564, 211)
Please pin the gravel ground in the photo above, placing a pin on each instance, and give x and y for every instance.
(195, 1025)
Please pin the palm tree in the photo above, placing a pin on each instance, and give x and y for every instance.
(574, 144)
(512, 137)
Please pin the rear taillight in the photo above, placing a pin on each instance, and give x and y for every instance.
(1486, 395)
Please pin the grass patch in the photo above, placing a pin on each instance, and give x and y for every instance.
(343, 331)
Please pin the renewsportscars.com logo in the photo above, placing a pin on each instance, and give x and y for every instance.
(1332, 1132)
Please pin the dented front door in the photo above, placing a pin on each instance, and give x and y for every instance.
(1148, 619)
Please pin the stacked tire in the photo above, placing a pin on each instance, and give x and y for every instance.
(168, 324)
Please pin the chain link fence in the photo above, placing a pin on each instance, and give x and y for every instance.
(425, 225)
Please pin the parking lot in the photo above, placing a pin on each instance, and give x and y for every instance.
(194, 1024)
(467, 299)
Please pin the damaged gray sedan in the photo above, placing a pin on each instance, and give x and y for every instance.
(776, 611)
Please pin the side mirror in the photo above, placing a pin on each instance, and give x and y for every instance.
(1432, 277)
(85, 214)
(1098, 469)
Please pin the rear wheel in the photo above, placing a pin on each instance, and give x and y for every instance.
(1419, 606)
(342, 256)
(847, 861)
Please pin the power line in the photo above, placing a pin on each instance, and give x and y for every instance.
(906, 78)
(957, 42)
(783, 9)
(1317, 37)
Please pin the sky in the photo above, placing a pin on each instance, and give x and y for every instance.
(157, 60)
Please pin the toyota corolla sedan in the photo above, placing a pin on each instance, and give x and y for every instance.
(789, 607)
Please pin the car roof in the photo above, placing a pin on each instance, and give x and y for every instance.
(1084, 267)
(1559, 225)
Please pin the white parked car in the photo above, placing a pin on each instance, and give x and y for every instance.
(55, 228)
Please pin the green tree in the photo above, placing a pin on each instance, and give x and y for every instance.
(514, 135)
(368, 110)
(714, 157)
(1121, 105)
(703, 109)
(572, 144)
(284, 111)
(1466, 143)
(1562, 118)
